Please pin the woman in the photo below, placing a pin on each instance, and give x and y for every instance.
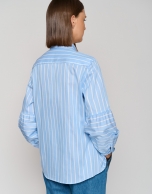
(65, 112)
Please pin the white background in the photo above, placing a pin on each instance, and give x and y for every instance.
(119, 35)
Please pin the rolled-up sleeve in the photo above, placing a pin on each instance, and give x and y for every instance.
(100, 123)
(27, 119)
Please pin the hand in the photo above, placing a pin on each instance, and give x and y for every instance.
(109, 155)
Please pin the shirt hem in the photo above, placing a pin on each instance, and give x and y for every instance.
(80, 180)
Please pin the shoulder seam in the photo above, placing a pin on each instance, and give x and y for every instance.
(88, 69)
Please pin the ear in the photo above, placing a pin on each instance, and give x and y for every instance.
(73, 20)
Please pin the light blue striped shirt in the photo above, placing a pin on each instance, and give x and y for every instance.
(66, 114)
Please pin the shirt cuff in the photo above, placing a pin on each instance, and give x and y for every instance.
(111, 150)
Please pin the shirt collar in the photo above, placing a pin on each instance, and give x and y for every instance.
(72, 47)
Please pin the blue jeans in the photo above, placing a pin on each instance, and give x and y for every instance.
(93, 185)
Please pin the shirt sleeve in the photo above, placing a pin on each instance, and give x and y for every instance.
(27, 120)
(100, 123)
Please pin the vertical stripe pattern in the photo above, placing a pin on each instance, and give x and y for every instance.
(67, 116)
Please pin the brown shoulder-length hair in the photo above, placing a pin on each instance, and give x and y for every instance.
(58, 21)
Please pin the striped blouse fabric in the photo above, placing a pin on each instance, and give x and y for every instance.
(67, 116)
